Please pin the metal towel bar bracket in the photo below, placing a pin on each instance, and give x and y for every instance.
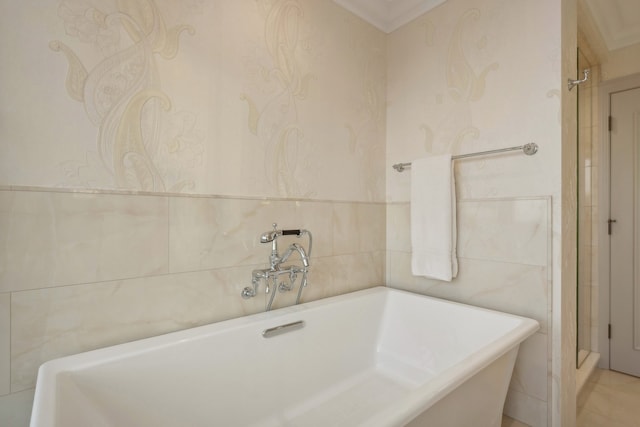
(529, 149)
(572, 83)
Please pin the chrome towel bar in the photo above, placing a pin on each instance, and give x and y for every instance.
(529, 149)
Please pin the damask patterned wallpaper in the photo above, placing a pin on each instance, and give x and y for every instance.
(256, 100)
(252, 98)
(468, 76)
(188, 127)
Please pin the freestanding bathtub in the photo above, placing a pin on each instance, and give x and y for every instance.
(378, 357)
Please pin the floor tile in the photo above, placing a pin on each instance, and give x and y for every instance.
(609, 399)
(510, 422)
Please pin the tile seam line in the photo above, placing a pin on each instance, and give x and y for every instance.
(483, 259)
(169, 273)
(115, 192)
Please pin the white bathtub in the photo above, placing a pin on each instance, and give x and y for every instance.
(378, 357)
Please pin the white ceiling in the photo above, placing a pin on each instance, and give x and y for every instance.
(617, 21)
(389, 15)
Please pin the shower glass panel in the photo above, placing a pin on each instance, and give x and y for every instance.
(585, 205)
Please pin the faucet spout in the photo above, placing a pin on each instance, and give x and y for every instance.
(294, 247)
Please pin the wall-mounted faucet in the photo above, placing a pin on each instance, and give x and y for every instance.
(276, 269)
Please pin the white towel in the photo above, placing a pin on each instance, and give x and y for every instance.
(433, 218)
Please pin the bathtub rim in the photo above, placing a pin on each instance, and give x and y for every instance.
(416, 402)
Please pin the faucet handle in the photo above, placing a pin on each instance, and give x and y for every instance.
(291, 232)
(277, 232)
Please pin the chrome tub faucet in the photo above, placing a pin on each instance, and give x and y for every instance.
(276, 269)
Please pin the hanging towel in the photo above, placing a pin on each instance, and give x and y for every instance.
(433, 218)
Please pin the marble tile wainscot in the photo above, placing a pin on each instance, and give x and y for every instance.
(507, 242)
(85, 269)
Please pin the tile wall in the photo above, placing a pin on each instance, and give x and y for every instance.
(142, 161)
(594, 169)
(507, 243)
(88, 270)
(152, 141)
(471, 76)
(589, 140)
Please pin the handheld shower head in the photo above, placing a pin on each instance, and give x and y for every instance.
(269, 236)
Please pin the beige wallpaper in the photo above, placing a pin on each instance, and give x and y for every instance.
(230, 115)
(146, 144)
(252, 98)
(470, 76)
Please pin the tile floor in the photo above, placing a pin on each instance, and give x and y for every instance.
(510, 422)
(609, 399)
